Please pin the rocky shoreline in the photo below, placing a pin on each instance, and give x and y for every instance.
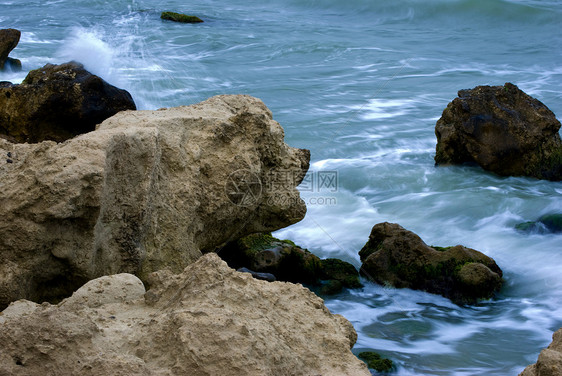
(116, 219)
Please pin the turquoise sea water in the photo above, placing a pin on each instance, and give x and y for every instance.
(361, 84)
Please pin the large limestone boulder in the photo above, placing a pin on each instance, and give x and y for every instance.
(9, 39)
(549, 362)
(58, 102)
(503, 130)
(396, 256)
(145, 191)
(208, 320)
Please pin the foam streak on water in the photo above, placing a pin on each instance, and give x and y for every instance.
(360, 83)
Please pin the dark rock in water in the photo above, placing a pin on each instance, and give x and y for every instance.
(12, 64)
(263, 276)
(503, 130)
(399, 257)
(179, 17)
(9, 39)
(375, 361)
(341, 271)
(549, 223)
(58, 102)
(266, 254)
(331, 287)
(288, 262)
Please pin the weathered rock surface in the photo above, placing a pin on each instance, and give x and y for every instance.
(58, 102)
(503, 130)
(400, 258)
(145, 191)
(208, 320)
(289, 262)
(9, 39)
(549, 362)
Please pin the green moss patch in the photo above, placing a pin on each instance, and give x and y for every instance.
(179, 17)
(375, 361)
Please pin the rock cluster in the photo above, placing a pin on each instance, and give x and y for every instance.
(208, 320)
(286, 261)
(145, 191)
(400, 258)
(58, 102)
(549, 362)
(501, 129)
(9, 39)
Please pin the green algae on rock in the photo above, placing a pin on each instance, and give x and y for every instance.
(375, 361)
(546, 224)
(180, 17)
(264, 253)
(396, 256)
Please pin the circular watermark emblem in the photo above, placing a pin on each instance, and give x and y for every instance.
(243, 188)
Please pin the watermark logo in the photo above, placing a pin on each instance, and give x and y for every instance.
(243, 188)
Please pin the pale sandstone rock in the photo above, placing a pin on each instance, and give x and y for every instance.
(147, 190)
(549, 362)
(208, 320)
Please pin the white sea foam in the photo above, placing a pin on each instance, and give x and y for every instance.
(88, 47)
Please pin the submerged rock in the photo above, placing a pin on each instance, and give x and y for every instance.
(501, 129)
(266, 254)
(13, 64)
(180, 17)
(549, 362)
(263, 276)
(375, 361)
(400, 258)
(289, 262)
(341, 271)
(9, 39)
(145, 191)
(208, 320)
(549, 223)
(58, 102)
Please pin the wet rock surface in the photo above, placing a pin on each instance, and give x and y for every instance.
(289, 262)
(58, 102)
(396, 256)
(9, 39)
(501, 129)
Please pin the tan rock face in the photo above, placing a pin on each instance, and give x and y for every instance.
(549, 362)
(146, 190)
(208, 320)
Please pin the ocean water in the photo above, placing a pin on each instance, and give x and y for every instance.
(361, 84)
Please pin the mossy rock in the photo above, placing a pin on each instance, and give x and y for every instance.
(344, 272)
(440, 249)
(331, 287)
(552, 222)
(262, 252)
(549, 223)
(375, 361)
(179, 17)
(398, 257)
